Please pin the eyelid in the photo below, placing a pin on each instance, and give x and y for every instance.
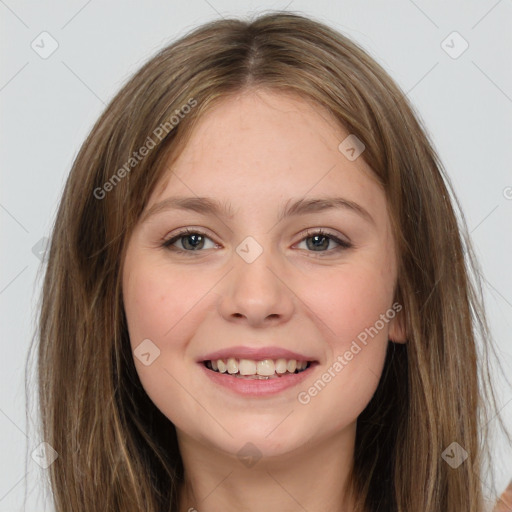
(343, 243)
(168, 240)
(343, 239)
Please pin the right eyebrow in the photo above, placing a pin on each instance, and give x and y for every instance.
(204, 205)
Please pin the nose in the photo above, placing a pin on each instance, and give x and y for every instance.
(256, 293)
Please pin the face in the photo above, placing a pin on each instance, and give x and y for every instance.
(255, 281)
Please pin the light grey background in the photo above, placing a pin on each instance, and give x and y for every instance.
(49, 105)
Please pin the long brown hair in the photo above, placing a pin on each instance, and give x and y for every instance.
(116, 449)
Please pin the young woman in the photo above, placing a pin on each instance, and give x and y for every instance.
(258, 296)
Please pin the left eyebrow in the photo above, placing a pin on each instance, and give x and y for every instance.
(293, 207)
(305, 206)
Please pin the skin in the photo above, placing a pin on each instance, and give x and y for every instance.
(504, 504)
(259, 149)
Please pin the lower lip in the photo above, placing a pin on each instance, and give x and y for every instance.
(257, 387)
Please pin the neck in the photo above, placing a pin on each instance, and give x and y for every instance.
(313, 477)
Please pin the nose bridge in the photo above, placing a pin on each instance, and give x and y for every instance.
(254, 289)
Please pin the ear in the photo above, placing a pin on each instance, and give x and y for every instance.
(397, 332)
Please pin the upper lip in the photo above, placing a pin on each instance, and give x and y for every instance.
(256, 354)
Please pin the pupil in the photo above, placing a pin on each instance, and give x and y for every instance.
(198, 240)
(316, 238)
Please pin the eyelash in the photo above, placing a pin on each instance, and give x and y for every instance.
(342, 244)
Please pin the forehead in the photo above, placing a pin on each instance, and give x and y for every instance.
(262, 146)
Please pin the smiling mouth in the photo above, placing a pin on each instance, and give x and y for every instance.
(258, 370)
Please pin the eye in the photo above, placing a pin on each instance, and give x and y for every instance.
(320, 240)
(190, 241)
(194, 241)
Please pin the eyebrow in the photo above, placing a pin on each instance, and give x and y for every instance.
(293, 207)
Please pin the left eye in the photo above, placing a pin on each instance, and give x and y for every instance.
(320, 239)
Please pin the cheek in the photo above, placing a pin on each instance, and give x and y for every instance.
(350, 299)
(147, 307)
(164, 306)
(355, 305)
(157, 298)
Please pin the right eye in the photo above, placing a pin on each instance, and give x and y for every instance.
(190, 240)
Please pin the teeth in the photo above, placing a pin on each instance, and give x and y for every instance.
(247, 367)
(232, 365)
(281, 366)
(264, 368)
